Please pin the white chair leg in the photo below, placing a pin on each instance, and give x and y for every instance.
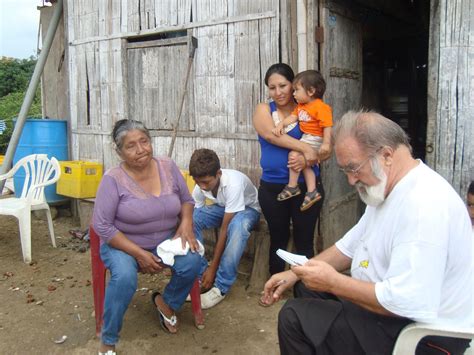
(24, 220)
(50, 227)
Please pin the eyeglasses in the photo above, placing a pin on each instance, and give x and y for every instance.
(355, 171)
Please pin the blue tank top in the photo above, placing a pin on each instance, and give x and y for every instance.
(274, 159)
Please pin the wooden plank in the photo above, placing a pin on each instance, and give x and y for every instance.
(148, 19)
(158, 42)
(133, 16)
(166, 13)
(186, 26)
(79, 88)
(103, 17)
(433, 69)
(342, 48)
(246, 73)
(285, 28)
(54, 83)
(90, 148)
(124, 100)
(124, 15)
(312, 47)
(184, 11)
(269, 49)
(93, 83)
(450, 94)
(110, 158)
(184, 134)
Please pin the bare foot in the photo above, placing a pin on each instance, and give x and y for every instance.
(167, 311)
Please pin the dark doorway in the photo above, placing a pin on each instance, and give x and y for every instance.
(395, 57)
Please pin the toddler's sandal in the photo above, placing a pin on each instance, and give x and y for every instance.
(310, 199)
(288, 192)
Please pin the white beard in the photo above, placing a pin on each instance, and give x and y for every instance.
(373, 195)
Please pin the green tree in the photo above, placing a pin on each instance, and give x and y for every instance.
(10, 106)
(15, 74)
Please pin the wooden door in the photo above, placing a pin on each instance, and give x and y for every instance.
(341, 65)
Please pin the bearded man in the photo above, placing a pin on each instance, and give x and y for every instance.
(410, 255)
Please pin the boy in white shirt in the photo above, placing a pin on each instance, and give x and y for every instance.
(235, 210)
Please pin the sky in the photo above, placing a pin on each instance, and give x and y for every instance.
(19, 20)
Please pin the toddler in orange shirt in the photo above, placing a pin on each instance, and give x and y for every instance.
(315, 120)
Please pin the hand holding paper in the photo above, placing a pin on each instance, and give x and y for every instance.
(290, 258)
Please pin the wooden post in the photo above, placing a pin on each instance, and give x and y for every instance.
(449, 143)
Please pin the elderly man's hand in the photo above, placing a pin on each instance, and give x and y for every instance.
(317, 275)
(276, 286)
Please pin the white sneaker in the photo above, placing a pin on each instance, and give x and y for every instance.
(211, 298)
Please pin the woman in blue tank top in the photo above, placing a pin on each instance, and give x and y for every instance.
(274, 162)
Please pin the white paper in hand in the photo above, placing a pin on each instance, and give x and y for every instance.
(290, 258)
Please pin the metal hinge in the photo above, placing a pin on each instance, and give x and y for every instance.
(319, 34)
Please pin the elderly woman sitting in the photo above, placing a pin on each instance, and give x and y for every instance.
(141, 203)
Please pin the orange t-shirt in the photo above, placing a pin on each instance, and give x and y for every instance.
(314, 117)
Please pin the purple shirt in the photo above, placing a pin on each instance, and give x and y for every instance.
(147, 220)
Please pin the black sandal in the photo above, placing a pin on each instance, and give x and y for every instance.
(288, 192)
(172, 321)
(310, 198)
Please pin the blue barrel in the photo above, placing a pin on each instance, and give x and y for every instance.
(42, 136)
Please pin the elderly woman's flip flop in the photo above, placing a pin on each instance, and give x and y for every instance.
(288, 192)
(164, 320)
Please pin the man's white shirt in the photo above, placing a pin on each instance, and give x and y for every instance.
(417, 249)
(235, 192)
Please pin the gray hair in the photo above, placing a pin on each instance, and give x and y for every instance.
(371, 130)
(122, 127)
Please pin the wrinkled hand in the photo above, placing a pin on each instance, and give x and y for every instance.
(186, 233)
(208, 278)
(324, 152)
(149, 263)
(277, 285)
(279, 130)
(296, 162)
(317, 275)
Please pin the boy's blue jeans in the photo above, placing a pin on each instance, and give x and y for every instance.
(238, 233)
(123, 283)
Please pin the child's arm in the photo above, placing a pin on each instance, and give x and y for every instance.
(210, 274)
(325, 149)
(279, 129)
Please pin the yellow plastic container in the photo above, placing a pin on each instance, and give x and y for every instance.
(189, 180)
(79, 179)
(1, 159)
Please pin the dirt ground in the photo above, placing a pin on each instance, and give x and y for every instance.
(52, 298)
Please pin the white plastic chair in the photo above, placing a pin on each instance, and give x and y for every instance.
(410, 336)
(39, 172)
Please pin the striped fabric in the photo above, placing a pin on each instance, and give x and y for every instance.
(3, 126)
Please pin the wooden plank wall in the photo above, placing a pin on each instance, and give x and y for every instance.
(450, 130)
(226, 80)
